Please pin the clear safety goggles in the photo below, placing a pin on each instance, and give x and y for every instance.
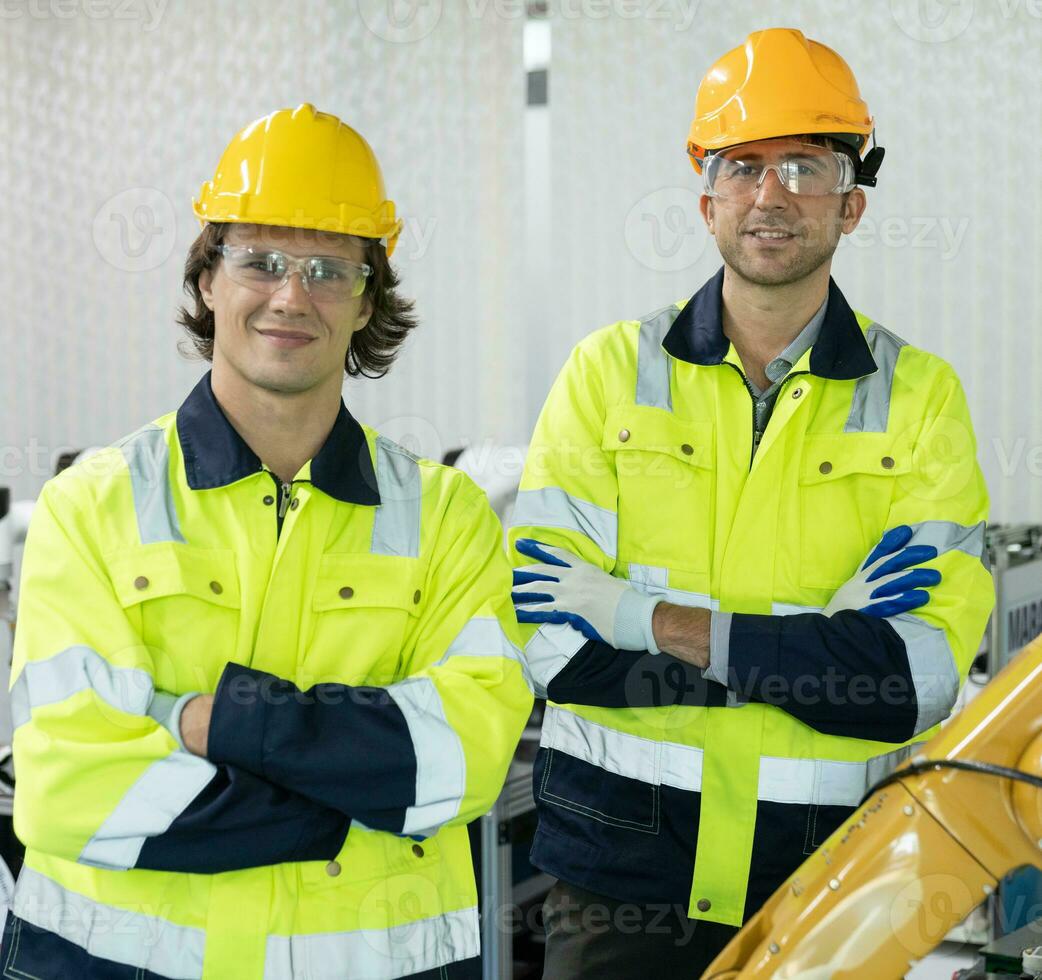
(325, 277)
(804, 169)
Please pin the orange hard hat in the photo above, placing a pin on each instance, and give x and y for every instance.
(778, 83)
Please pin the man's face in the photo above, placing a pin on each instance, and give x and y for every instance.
(747, 229)
(283, 341)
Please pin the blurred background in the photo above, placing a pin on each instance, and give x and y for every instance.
(537, 153)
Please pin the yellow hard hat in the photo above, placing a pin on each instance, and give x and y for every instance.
(778, 83)
(301, 169)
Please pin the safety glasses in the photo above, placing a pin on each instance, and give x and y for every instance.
(803, 169)
(325, 277)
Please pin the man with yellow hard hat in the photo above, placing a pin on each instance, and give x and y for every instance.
(266, 664)
(750, 530)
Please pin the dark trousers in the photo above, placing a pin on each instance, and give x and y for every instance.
(591, 937)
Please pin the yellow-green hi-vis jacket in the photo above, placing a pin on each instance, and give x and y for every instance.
(357, 629)
(657, 783)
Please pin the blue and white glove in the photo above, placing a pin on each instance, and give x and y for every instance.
(884, 586)
(597, 604)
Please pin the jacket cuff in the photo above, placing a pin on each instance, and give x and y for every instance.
(236, 735)
(719, 648)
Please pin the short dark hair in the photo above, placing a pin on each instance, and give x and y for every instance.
(373, 348)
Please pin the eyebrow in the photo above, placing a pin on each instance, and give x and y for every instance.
(758, 155)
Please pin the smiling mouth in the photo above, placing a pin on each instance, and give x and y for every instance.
(286, 338)
(771, 236)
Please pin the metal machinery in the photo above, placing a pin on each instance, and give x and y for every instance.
(924, 849)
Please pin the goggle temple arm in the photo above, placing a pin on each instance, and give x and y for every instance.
(866, 172)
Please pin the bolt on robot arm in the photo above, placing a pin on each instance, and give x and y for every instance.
(921, 852)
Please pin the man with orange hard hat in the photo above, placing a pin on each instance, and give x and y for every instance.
(751, 528)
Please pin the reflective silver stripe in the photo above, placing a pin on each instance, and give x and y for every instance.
(653, 363)
(148, 458)
(149, 807)
(552, 507)
(376, 954)
(396, 526)
(132, 938)
(76, 669)
(932, 665)
(548, 652)
(870, 408)
(162, 791)
(482, 636)
(828, 782)
(949, 536)
(441, 765)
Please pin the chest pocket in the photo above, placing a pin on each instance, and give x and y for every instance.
(187, 606)
(665, 470)
(847, 485)
(363, 607)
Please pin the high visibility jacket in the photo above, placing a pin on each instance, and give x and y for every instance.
(654, 782)
(369, 696)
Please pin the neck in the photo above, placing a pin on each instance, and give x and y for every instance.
(285, 429)
(761, 321)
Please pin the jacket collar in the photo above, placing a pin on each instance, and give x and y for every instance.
(840, 353)
(216, 455)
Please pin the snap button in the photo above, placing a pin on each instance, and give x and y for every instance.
(624, 435)
(416, 596)
(346, 592)
(269, 500)
(417, 850)
(825, 467)
(704, 905)
(141, 582)
(797, 392)
(294, 503)
(333, 869)
(686, 449)
(215, 588)
(888, 462)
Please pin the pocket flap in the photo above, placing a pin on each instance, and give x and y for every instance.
(834, 457)
(642, 427)
(368, 581)
(153, 571)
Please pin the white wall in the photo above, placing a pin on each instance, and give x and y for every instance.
(524, 230)
(948, 255)
(111, 118)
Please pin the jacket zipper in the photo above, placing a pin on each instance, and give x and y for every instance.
(285, 490)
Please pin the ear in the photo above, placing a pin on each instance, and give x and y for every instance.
(853, 208)
(705, 205)
(206, 287)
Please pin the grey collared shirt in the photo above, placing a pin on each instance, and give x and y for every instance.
(763, 407)
(778, 370)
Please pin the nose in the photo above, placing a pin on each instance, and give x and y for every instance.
(291, 298)
(771, 194)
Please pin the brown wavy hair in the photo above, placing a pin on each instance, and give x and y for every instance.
(373, 348)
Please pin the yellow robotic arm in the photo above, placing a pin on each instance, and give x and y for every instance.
(923, 850)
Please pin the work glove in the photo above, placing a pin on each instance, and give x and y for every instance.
(883, 586)
(597, 604)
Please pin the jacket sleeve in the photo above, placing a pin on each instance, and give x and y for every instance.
(886, 679)
(101, 779)
(429, 750)
(569, 498)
